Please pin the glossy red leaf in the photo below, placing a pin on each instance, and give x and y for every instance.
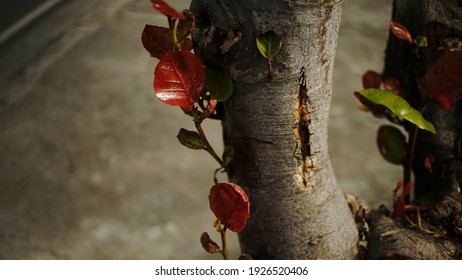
(442, 83)
(166, 9)
(400, 31)
(157, 40)
(179, 79)
(230, 205)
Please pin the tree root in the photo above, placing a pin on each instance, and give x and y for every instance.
(392, 238)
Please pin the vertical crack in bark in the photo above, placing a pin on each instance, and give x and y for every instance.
(305, 160)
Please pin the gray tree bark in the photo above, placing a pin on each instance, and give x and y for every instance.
(278, 126)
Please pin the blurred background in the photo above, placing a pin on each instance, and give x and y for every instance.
(90, 167)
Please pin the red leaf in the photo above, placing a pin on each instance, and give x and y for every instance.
(179, 79)
(165, 9)
(185, 26)
(372, 79)
(392, 84)
(186, 45)
(208, 244)
(442, 83)
(157, 40)
(230, 205)
(428, 162)
(209, 109)
(398, 210)
(398, 186)
(407, 190)
(400, 31)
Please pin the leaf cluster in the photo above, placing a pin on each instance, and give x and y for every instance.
(181, 79)
(440, 85)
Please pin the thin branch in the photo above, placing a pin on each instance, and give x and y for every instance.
(207, 145)
(407, 167)
(224, 243)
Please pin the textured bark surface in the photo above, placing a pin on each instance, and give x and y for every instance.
(392, 239)
(278, 126)
(438, 187)
(439, 21)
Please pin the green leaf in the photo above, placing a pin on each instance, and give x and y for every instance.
(398, 106)
(392, 144)
(269, 44)
(219, 84)
(228, 154)
(421, 41)
(190, 139)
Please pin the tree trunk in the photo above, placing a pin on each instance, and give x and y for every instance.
(278, 126)
(436, 186)
(440, 21)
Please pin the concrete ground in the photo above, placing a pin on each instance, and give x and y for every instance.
(90, 167)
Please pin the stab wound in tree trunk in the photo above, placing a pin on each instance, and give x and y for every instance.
(306, 162)
(278, 126)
